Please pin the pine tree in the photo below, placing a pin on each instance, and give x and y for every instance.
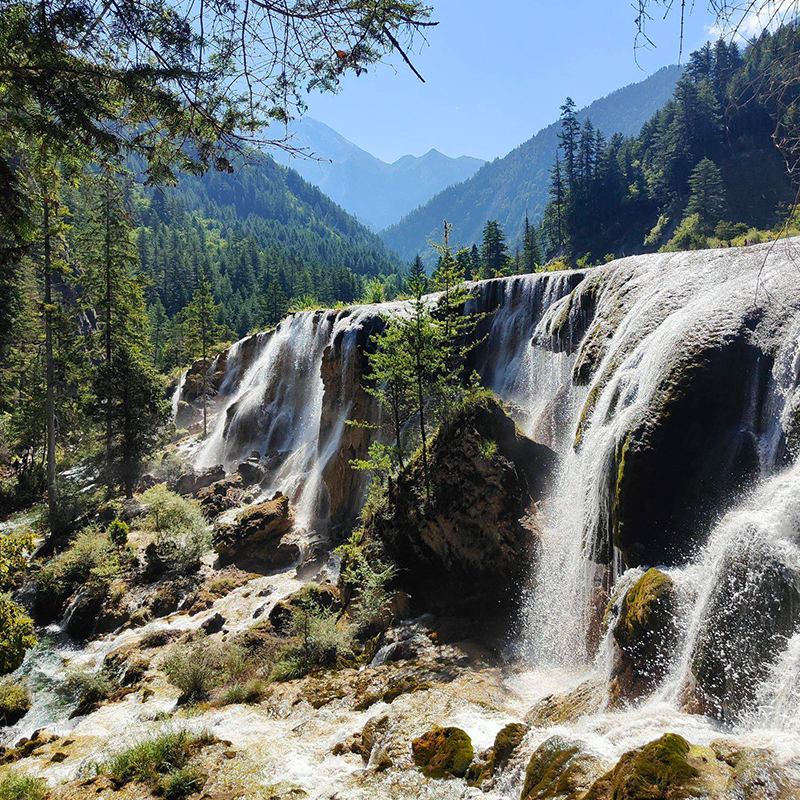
(494, 251)
(531, 251)
(557, 204)
(568, 139)
(201, 333)
(707, 198)
(417, 271)
(274, 304)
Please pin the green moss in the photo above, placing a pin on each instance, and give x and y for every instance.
(644, 607)
(14, 786)
(506, 742)
(546, 775)
(443, 753)
(616, 519)
(586, 413)
(14, 702)
(658, 771)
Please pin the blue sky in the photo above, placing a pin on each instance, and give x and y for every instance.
(496, 72)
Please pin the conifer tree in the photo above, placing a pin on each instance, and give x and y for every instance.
(531, 251)
(707, 198)
(417, 271)
(274, 303)
(201, 334)
(494, 251)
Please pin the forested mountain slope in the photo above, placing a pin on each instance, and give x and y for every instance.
(374, 191)
(505, 188)
(258, 232)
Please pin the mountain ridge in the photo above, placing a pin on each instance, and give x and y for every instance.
(505, 188)
(375, 191)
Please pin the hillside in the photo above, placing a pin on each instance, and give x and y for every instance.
(376, 192)
(261, 221)
(505, 188)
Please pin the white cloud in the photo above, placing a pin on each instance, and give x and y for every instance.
(750, 18)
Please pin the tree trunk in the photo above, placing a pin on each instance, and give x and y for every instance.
(50, 403)
(108, 328)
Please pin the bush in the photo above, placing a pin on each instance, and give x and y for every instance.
(91, 561)
(195, 671)
(183, 536)
(118, 533)
(368, 584)
(181, 783)
(16, 634)
(14, 786)
(241, 693)
(14, 551)
(689, 236)
(14, 702)
(321, 640)
(149, 760)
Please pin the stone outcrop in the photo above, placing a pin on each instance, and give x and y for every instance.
(472, 546)
(558, 709)
(443, 753)
(645, 635)
(221, 496)
(259, 536)
(343, 376)
(560, 769)
(755, 608)
(191, 482)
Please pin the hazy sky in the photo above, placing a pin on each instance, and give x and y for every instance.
(497, 72)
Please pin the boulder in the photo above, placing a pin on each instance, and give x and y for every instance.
(557, 709)
(221, 496)
(645, 636)
(560, 769)
(754, 609)
(508, 740)
(191, 482)
(443, 753)
(324, 596)
(259, 535)
(252, 471)
(472, 547)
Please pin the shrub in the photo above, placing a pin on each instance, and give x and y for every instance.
(182, 533)
(14, 786)
(118, 533)
(371, 604)
(14, 551)
(16, 634)
(195, 671)
(181, 783)
(241, 693)
(14, 702)
(91, 561)
(688, 236)
(149, 760)
(320, 641)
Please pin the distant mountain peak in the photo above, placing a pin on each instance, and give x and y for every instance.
(376, 192)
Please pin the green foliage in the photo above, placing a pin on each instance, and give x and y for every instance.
(91, 562)
(321, 639)
(494, 251)
(244, 692)
(488, 448)
(150, 760)
(16, 634)
(118, 532)
(690, 235)
(14, 551)
(707, 194)
(367, 582)
(14, 702)
(14, 786)
(181, 783)
(182, 533)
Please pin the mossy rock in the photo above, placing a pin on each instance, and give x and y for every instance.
(557, 709)
(645, 635)
(508, 739)
(15, 702)
(660, 770)
(443, 753)
(560, 769)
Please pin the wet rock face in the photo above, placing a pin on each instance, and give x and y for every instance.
(558, 709)
(443, 753)
(472, 548)
(691, 453)
(754, 610)
(258, 536)
(344, 365)
(190, 483)
(645, 635)
(221, 496)
(560, 769)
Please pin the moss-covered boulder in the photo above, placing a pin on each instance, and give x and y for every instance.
(754, 609)
(443, 753)
(645, 635)
(560, 769)
(469, 549)
(507, 741)
(15, 702)
(557, 709)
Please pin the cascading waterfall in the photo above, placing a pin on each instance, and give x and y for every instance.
(636, 322)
